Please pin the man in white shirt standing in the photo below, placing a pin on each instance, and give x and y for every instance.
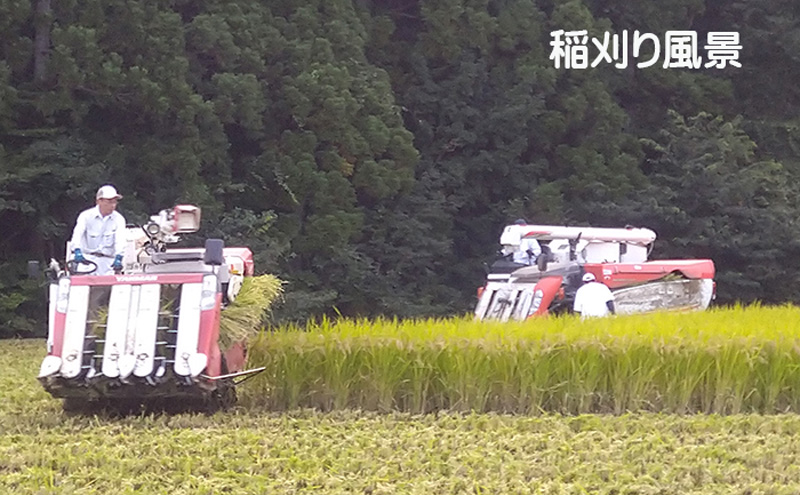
(99, 234)
(593, 298)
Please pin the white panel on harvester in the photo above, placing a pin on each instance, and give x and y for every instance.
(128, 359)
(75, 331)
(146, 329)
(116, 329)
(498, 305)
(188, 327)
(524, 304)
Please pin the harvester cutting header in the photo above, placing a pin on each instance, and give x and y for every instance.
(617, 257)
(151, 329)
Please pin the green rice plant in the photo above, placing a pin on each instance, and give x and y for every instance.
(422, 385)
(776, 378)
(507, 385)
(338, 370)
(384, 375)
(243, 318)
(680, 376)
(724, 361)
(98, 321)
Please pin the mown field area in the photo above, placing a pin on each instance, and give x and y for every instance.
(262, 447)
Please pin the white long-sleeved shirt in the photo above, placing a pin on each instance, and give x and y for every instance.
(522, 256)
(591, 299)
(100, 238)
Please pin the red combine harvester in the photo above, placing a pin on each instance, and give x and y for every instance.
(616, 256)
(151, 331)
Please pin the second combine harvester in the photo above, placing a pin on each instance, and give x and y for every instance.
(618, 257)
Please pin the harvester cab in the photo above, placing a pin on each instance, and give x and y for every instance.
(618, 257)
(152, 330)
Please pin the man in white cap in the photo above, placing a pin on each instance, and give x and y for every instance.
(99, 234)
(593, 298)
(529, 248)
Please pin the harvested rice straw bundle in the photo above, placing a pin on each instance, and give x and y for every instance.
(243, 318)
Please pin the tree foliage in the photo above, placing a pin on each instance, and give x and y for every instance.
(711, 196)
(369, 152)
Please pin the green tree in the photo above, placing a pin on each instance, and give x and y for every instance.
(315, 137)
(713, 196)
(501, 132)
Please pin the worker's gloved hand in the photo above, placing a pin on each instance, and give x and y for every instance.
(79, 256)
(117, 264)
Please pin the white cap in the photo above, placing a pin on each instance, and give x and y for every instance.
(588, 277)
(108, 192)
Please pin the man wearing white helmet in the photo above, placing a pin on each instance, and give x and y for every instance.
(99, 233)
(593, 298)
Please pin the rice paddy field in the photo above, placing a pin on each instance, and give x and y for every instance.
(700, 403)
(726, 361)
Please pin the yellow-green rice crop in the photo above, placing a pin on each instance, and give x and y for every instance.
(44, 450)
(741, 359)
(243, 317)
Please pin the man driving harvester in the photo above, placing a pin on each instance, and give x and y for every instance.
(99, 234)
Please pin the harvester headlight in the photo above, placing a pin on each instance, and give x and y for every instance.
(208, 297)
(537, 300)
(63, 295)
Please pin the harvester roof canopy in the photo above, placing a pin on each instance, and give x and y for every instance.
(550, 232)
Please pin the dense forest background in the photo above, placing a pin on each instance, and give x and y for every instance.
(370, 152)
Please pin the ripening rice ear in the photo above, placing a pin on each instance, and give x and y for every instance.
(243, 318)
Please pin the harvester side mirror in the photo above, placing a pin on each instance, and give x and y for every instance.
(34, 269)
(213, 254)
(541, 262)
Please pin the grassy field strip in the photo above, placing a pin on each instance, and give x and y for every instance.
(435, 454)
(723, 361)
(252, 451)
